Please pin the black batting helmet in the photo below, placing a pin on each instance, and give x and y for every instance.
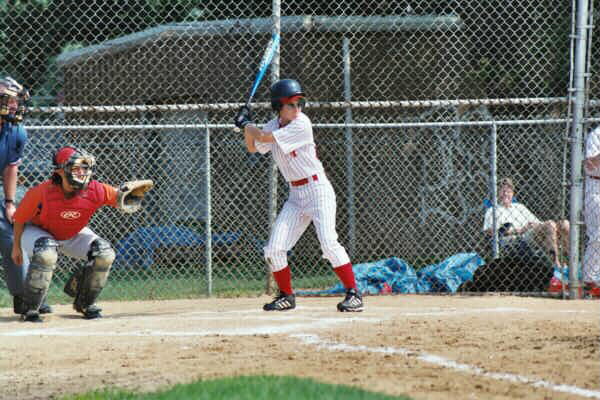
(282, 89)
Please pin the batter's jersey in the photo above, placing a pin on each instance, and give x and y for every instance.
(294, 150)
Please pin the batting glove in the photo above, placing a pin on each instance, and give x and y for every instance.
(243, 117)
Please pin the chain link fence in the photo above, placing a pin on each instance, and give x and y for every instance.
(419, 109)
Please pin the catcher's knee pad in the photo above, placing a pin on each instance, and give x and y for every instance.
(39, 275)
(276, 259)
(86, 284)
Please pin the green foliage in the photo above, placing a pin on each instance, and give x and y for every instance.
(160, 285)
(502, 58)
(33, 33)
(247, 388)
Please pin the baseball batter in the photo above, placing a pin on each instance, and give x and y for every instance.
(53, 218)
(289, 138)
(591, 260)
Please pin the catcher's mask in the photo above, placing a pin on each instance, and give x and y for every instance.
(14, 99)
(285, 91)
(77, 164)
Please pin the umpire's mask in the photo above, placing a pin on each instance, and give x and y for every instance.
(13, 100)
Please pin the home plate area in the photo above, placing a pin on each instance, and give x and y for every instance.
(433, 347)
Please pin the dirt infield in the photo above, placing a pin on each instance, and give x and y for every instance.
(429, 347)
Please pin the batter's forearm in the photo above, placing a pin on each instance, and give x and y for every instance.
(249, 140)
(259, 135)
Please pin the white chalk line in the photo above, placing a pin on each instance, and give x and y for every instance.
(314, 323)
(317, 323)
(245, 314)
(314, 340)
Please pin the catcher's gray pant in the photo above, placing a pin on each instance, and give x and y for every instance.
(77, 247)
(313, 202)
(591, 260)
(14, 273)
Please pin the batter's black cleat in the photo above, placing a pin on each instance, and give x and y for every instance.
(31, 316)
(282, 302)
(352, 303)
(92, 312)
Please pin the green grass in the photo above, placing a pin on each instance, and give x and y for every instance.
(246, 388)
(156, 286)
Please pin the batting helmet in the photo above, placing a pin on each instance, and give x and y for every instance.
(69, 159)
(283, 89)
(14, 99)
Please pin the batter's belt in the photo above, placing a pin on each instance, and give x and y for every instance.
(302, 182)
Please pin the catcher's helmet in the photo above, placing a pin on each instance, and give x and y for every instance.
(283, 89)
(14, 99)
(78, 166)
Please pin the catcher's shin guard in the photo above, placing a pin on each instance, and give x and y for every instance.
(87, 283)
(39, 275)
(19, 305)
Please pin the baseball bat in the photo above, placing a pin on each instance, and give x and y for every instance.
(262, 69)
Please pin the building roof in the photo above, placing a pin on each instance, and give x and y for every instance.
(303, 23)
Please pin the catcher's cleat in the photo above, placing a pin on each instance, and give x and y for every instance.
(352, 303)
(45, 309)
(31, 316)
(92, 312)
(282, 302)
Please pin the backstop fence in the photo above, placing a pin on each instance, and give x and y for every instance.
(419, 108)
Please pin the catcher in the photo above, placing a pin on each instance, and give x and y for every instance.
(53, 218)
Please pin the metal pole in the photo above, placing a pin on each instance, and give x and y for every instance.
(494, 185)
(273, 169)
(208, 228)
(577, 146)
(349, 149)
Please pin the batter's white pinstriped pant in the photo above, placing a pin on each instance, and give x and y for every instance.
(314, 201)
(591, 213)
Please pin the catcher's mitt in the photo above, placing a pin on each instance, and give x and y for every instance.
(129, 198)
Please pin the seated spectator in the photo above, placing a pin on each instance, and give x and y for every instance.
(515, 222)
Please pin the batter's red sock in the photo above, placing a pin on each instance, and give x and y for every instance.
(283, 277)
(346, 275)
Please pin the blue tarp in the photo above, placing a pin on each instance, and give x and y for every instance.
(136, 250)
(397, 276)
(562, 273)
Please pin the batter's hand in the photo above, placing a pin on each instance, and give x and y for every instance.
(243, 117)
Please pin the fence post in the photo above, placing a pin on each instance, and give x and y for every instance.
(349, 149)
(494, 185)
(273, 167)
(577, 146)
(208, 228)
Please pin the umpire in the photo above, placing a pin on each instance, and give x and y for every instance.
(13, 137)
